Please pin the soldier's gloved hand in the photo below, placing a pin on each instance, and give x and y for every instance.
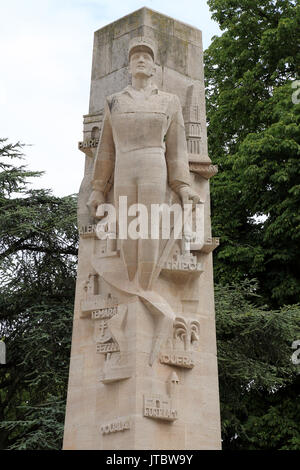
(188, 195)
(95, 199)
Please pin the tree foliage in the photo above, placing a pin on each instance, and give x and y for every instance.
(38, 254)
(254, 136)
(259, 386)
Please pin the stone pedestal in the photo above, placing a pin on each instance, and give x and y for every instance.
(143, 371)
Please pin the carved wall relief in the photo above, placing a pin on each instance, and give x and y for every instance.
(91, 133)
(105, 234)
(186, 333)
(163, 407)
(200, 162)
(181, 264)
(192, 118)
(119, 424)
(105, 342)
(118, 364)
(107, 243)
(204, 168)
(179, 349)
(109, 319)
(209, 245)
(88, 231)
(92, 301)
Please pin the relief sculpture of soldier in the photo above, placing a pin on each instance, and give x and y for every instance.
(143, 143)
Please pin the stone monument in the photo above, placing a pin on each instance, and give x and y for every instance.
(143, 371)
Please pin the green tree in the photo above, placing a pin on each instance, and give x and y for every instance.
(259, 385)
(254, 137)
(38, 255)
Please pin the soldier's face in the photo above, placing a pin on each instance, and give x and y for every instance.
(141, 64)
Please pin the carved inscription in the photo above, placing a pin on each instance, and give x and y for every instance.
(106, 348)
(88, 230)
(177, 358)
(159, 407)
(186, 262)
(120, 424)
(104, 313)
(88, 143)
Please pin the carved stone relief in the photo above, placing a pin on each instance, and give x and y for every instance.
(118, 362)
(163, 407)
(119, 424)
(209, 245)
(105, 342)
(91, 132)
(109, 319)
(92, 301)
(183, 263)
(178, 350)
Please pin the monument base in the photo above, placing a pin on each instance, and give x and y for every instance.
(122, 402)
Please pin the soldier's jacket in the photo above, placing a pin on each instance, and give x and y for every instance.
(132, 122)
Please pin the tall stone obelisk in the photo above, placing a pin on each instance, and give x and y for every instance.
(143, 370)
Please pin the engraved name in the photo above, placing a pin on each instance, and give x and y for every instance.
(115, 426)
(181, 265)
(177, 360)
(107, 347)
(163, 413)
(104, 313)
(88, 143)
(87, 229)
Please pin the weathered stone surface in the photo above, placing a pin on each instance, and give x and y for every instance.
(143, 372)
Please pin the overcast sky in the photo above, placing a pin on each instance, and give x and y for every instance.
(46, 57)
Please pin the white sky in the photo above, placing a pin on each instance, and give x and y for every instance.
(46, 57)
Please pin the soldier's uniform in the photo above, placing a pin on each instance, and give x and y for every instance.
(143, 142)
